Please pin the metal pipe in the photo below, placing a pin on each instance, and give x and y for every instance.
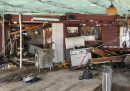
(20, 24)
(107, 79)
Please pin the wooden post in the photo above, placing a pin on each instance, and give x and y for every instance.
(44, 40)
(3, 35)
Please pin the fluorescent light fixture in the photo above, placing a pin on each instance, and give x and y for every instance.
(44, 19)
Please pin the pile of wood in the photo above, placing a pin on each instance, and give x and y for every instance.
(106, 56)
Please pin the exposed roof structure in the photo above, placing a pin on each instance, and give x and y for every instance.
(63, 6)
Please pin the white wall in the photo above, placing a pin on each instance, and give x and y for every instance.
(57, 38)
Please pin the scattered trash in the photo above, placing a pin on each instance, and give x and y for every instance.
(31, 78)
(87, 74)
(10, 65)
(18, 78)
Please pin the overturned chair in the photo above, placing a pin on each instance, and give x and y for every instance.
(106, 56)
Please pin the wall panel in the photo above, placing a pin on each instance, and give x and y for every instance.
(109, 34)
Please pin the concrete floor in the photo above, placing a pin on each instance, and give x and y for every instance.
(63, 80)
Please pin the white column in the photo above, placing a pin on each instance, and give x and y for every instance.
(57, 38)
(20, 24)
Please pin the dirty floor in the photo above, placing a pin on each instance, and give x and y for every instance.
(63, 80)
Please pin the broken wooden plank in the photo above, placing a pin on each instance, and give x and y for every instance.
(26, 29)
(99, 52)
(118, 49)
(107, 59)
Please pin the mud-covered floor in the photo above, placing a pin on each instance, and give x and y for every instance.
(59, 80)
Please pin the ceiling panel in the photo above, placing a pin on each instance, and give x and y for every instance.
(63, 6)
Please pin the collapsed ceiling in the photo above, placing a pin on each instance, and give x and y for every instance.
(63, 6)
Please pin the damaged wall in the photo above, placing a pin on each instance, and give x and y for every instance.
(36, 39)
(109, 34)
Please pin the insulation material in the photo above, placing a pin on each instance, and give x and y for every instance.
(57, 39)
(51, 7)
(73, 42)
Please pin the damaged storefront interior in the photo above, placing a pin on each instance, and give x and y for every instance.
(61, 45)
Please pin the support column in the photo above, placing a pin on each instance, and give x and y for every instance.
(20, 24)
(3, 35)
(58, 39)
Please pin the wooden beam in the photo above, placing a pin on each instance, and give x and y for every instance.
(118, 49)
(92, 17)
(99, 52)
(26, 18)
(107, 59)
(26, 29)
(26, 25)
